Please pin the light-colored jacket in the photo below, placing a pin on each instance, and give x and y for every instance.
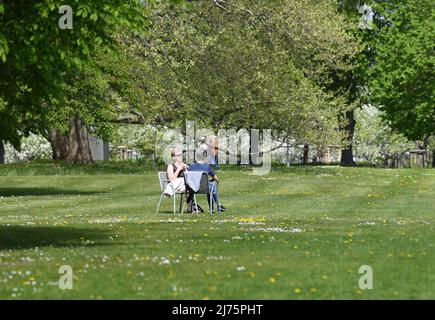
(193, 179)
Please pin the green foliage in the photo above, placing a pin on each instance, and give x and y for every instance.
(145, 139)
(402, 76)
(87, 96)
(36, 55)
(246, 64)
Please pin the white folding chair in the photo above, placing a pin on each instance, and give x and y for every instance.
(164, 181)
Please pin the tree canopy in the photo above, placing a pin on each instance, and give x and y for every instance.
(300, 67)
(247, 64)
(36, 56)
(402, 80)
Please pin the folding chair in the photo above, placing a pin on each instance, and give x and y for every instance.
(164, 181)
(203, 189)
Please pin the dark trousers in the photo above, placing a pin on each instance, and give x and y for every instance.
(213, 190)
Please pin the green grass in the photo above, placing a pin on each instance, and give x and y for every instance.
(297, 233)
(44, 167)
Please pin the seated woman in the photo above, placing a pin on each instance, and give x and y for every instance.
(175, 173)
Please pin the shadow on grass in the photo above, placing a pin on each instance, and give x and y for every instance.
(20, 192)
(24, 237)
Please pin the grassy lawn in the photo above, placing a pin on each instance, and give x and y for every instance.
(297, 233)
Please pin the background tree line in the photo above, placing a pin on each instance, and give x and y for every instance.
(299, 67)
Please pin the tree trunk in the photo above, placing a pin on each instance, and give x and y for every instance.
(2, 152)
(433, 158)
(425, 159)
(426, 152)
(306, 150)
(386, 161)
(59, 144)
(72, 147)
(288, 153)
(393, 163)
(349, 128)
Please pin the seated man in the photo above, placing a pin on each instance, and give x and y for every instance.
(202, 165)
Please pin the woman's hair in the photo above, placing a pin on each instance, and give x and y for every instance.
(175, 153)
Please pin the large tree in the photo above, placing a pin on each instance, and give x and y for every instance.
(251, 64)
(87, 105)
(351, 82)
(402, 76)
(94, 98)
(37, 57)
